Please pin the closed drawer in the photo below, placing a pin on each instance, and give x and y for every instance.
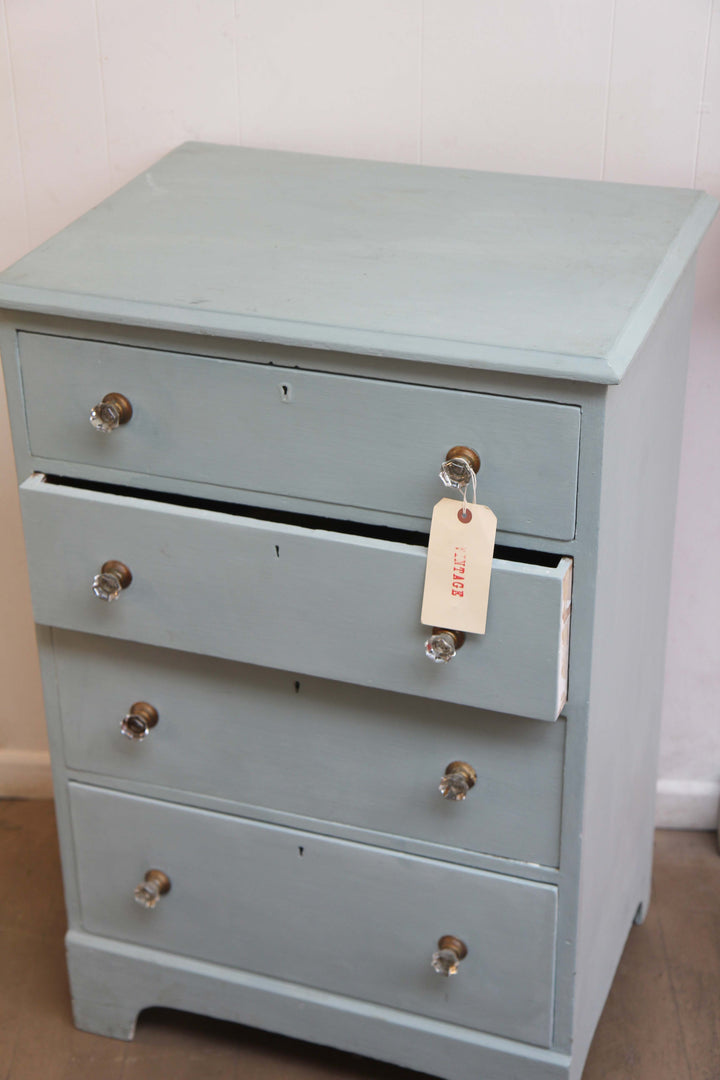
(339, 606)
(352, 442)
(272, 742)
(339, 916)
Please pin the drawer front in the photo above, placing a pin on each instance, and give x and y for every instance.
(338, 916)
(338, 606)
(312, 747)
(355, 443)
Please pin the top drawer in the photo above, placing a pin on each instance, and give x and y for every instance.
(354, 443)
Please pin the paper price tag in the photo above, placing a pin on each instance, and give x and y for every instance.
(459, 561)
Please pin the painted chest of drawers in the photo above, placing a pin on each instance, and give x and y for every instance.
(246, 734)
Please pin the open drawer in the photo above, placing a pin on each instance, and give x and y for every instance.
(336, 605)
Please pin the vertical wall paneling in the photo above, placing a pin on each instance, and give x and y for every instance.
(707, 161)
(91, 91)
(22, 727)
(21, 708)
(690, 754)
(691, 735)
(656, 80)
(169, 75)
(21, 712)
(59, 110)
(14, 235)
(517, 86)
(331, 76)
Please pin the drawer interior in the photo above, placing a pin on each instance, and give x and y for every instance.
(352, 443)
(350, 918)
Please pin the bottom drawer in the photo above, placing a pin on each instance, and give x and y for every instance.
(344, 917)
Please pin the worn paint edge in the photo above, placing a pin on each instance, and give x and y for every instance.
(564, 643)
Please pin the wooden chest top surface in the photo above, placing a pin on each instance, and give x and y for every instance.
(525, 274)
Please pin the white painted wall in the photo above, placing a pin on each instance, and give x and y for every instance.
(92, 91)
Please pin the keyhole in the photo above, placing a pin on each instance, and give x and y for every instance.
(285, 392)
(301, 851)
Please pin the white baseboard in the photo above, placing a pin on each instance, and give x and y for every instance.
(25, 774)
(687, 804)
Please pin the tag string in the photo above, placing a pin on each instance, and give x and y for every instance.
(473, 476)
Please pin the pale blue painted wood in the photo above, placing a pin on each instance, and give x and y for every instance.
(59, 773)
(641, 454)
(312, 746)
(526, 274)
(283, 903)
(375, 444)
(323, 603)
(378, 369)
(111, 980)
(612, 268)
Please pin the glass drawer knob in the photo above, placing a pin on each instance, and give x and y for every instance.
(458, 779)
(459, 466)
(114, 576)
(442, 645)
(154, 885)
(450, 952)
(139, 721)
(110, 413)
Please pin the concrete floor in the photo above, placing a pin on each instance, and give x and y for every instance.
(661, 1021)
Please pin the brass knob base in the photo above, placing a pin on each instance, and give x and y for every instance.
(155, 884)
(110, 413)
(123, 406)
(114, 576)
(120, 570)
(141, 718)
(450, 952)
(449, 941)
(465, 453)
(463, 769)
(457, 635)
(459, 778)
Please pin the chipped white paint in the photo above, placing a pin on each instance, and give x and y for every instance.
(564, 650)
